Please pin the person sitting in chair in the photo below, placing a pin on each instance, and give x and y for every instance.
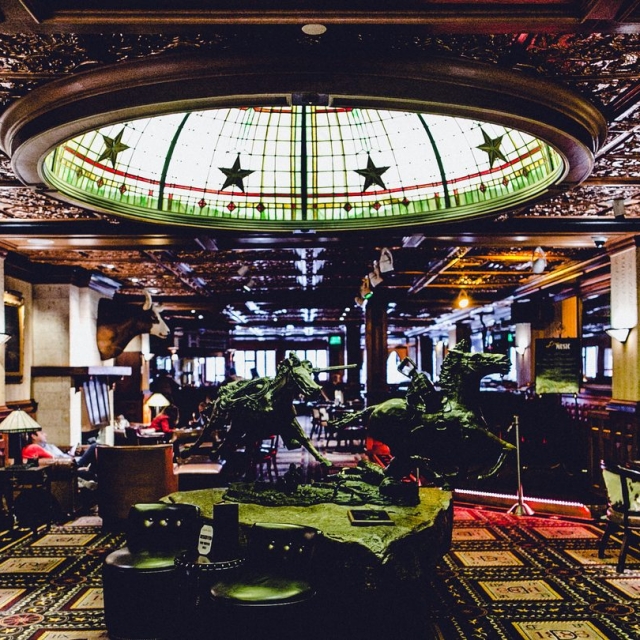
(166, 421)
(38, 447)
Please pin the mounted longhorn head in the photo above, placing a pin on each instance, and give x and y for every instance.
(119, 323)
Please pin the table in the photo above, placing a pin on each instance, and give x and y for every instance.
(25, 494)
(356, 558)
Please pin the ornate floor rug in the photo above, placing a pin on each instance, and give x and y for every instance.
(533, 578)
(505, 577)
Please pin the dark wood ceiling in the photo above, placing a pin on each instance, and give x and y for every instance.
(591, 47)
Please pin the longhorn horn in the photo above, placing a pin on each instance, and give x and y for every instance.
(147, 300)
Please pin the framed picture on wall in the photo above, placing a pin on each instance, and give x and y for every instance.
(14, 327)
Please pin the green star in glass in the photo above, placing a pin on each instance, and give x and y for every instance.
(492, 147)
(112, 147)
(372, 174)
(235, 175)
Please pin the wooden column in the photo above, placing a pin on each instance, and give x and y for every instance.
(376, 350)
(354, 356)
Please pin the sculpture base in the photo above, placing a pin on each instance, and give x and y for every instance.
(352, 558)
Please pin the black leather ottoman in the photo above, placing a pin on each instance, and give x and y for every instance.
(140, 581)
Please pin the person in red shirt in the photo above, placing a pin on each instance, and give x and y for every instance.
(167, 420)
(38, 447)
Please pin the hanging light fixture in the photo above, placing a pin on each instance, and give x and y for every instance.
(463, 300)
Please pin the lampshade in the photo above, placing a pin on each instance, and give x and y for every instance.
(620, 335)
(19, 422)
(157, 400)
(4, 338)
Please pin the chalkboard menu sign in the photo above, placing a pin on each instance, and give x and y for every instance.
(558, 365)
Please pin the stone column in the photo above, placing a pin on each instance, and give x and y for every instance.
(625, 302)
(64, 318)
(619, 442)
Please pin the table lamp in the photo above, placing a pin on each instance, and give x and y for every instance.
(156, 402)
(15, 423)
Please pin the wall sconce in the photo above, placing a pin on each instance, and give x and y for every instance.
(620, 335)
(521, 350)
(4, 338)
(463, 300)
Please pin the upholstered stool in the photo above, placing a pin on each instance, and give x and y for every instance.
(269, 595)
(140, 580)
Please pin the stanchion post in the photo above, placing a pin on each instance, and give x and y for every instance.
(520, 508)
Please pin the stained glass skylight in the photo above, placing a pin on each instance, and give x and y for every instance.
(303, 167)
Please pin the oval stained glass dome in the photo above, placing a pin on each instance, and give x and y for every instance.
(303, 167)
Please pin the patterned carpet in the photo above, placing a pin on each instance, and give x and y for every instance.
(50, 585)
(505, 577)
(533, 578)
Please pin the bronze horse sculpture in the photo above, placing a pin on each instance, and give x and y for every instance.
(444, 437)
(254, 410)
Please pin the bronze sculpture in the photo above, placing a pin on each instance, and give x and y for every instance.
(255, 409)
(440, 436)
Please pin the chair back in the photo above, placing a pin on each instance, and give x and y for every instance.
(128, 475)
(282, 548)
(623, 488)
(164, 528)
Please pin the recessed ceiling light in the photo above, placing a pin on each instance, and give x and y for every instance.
(314, 29)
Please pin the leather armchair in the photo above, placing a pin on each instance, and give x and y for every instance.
(623, 508)
(131, 475)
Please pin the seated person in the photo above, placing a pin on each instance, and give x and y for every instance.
(199, 419)
(38, 447)
(166, 421)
